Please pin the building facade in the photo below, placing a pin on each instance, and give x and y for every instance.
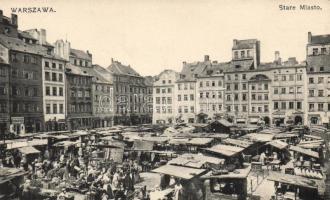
(131, 95)
(164, 97)
(318, 72)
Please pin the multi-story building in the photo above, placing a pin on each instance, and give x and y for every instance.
(288, 93)
(4, 90)
(53, 79)
(78, 85)
(130, 95)
(164, 97)
(210, 92)
(102, 97)
(318, 72)
(148, 99)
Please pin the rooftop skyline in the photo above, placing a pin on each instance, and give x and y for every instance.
(151, 36)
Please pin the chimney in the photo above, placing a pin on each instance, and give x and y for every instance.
(234, 42)
(1, 16)
(42, 36)
(111, 60)
(206, 58)
(309, 37)
(292, 61)
(14, 19)
(184, 63)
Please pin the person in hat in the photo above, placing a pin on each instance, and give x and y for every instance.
(63, 195)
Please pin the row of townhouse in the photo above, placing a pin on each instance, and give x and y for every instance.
(247, 91)
(52, 87)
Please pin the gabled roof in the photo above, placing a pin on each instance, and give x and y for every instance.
(148, 81)
(71, 69)
(24, 34)
(103, 74)
(18, 45)
(80, 54)
(320, 39)
(191, 70)
(120, 69)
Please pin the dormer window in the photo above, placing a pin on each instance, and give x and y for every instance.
(242, 54)
(237, 66)
(248, 53)
(236, 54)
(323, 50)
(315, 51)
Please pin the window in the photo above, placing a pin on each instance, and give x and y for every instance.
(311, 107)
(253, 87)
(201, 84)
(186, 109)
(299, 105)
(179, 97)
(47, 91)
(259, 97)
(185, 97)
(48, 108)
(311, 93)
(236, 77)
(207, 94)
(283, 90)
(228, 77)
(169, 100)
(54, 91)
(228, 108)
(54, 108)
(321, 69)
(53, 76)
(228, 86)
(283, 105)
(266, 109)
(266, 97)
(259, 109)
(291, 90)
(315, 51)
(213, 83)
(219, 95)
(248, 53)
(191, 97)
(46, 64)
(244, 97)
(207, 84)
(213, 95)
(14, 57)
(299, 77)
(244, 86)
(228, 97)
(328, 106)
(266, 86)
(291, 105)
(242, 54)
(185, 86)
(3, 90)
(47, 76)
(180, 109)
(163, 90)
(169, 90)
(275, 78)
(320, 80)
(235, 54)
(299, 90)
(244, 76)
(323, 50)
(236, 97)
(26, 59)
(60, 66)
(60, 91)
(219, 83)
(236, 86)
(60, 77)
(321, 94)
(192, 109)
(157, 100)
(284, 78)
(179, 86)
(192, 86)
(291, 77)
(276, 105)
(163, 100)
(201, 95)
(253, 97)
(311, 69)
(35, 92)
(79, 94)
(54, 65)
(320, 106)
(157, 90)
(275, 90)
(61, 111)
(244, 108)
(164, 81)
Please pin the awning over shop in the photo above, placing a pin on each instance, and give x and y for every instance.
(225, 150)
(7, 174)
(28, 150)
(278, 144)
(180, 172)
(305, 151)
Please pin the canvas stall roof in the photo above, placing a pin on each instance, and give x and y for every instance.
(200, 141)
(236, 174)
(313, 137)
(143, 145)
(310, 146)
(7, 174)
(155, 139)
(307, 152)
(259, 137)
(285, 135)
(66, 143)
(239, 143)
(180, 172)
(223, 122)
(225, 150)
(312, 142)
(297, 181)
(37, 142)
(131, 136)
(59, 137)
(178, 141)
(28, 150)
(278, 144)
(195, 160)
(79, 133)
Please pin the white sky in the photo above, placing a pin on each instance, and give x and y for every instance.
(152, 35)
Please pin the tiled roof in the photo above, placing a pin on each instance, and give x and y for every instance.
(148, 80)
(120, 69)
(240, 65)
(80, 54)
(191, 70)
(18, 45)
(71, 69)
(214, 69)
(104, 73)
(320, 39)
(26, 35)
(245, 44)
